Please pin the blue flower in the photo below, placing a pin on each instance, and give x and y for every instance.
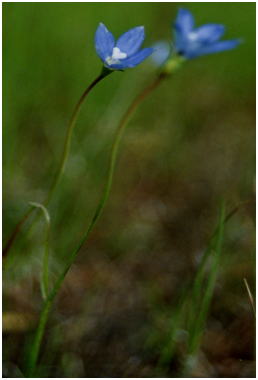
(193, 42)
(123, 53)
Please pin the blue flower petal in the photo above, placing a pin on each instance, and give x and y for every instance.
(133, 60)
(184, 21)
(183, 25)
(104, 42)
(216, 47)
(209, 33)
(131, 41)
(138, 57)
(180, 41)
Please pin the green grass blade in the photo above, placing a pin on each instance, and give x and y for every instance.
(250, 296)
(44, 283)
(201, 316)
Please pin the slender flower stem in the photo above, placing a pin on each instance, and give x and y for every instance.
(50, 299)
(63, 160)
(16, 231)
(70, 129)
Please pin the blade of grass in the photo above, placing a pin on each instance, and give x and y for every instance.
(250, 296)
(168, 351)
(199, 281)
(193, 308)
(196, 331)
(199, 312)
(44, 283)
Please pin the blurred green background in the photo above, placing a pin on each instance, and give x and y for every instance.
(188, 146)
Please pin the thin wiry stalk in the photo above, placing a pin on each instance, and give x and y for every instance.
(62, 163)
(51, 297)
(69, 133)
(15, 232)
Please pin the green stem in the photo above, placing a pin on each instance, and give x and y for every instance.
(16, 231)
(63, 160)
(45, 274)
(50, 299)
(69, 133)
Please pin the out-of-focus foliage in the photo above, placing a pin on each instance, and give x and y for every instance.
(189, 145)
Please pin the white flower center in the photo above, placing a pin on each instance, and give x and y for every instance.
(117, 54)
(192, 36)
